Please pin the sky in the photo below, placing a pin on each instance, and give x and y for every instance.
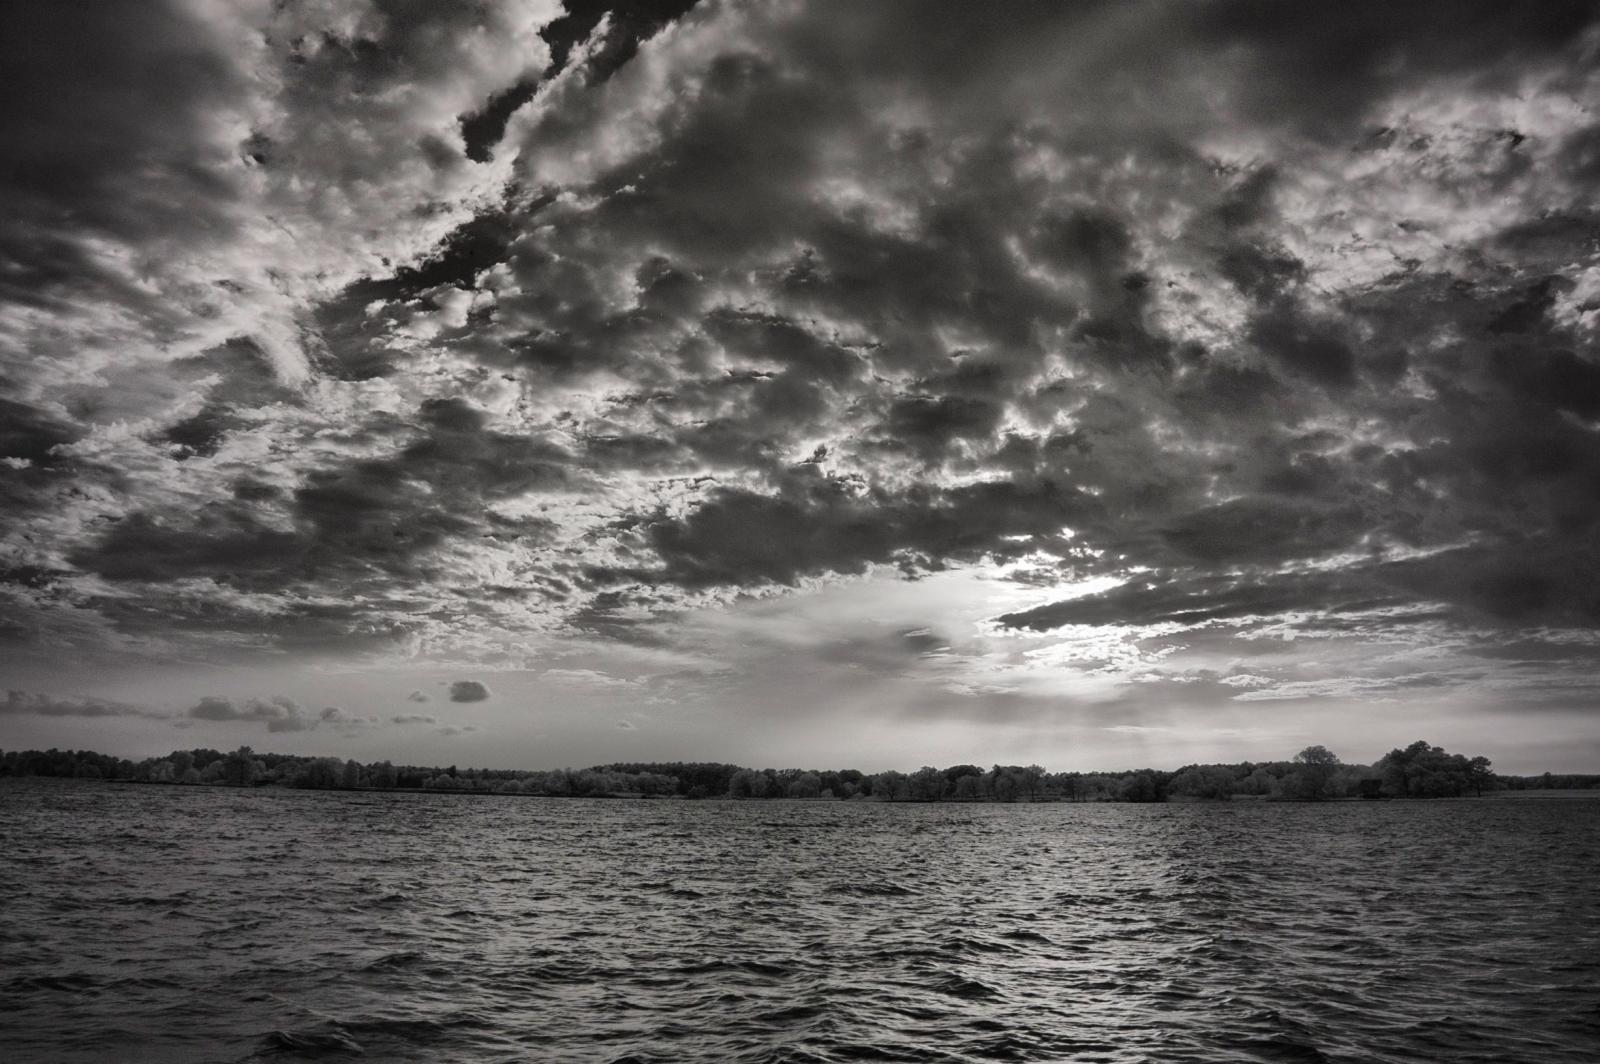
(801, 383)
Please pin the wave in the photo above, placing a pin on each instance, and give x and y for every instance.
(405, 958)
(871, 890)
(960, 986)
(324, 1042)
(68, 983)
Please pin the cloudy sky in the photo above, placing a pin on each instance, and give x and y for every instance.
(827, 383)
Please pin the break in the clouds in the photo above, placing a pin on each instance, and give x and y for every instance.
(1244, 353)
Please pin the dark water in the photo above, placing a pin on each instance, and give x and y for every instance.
(167, 924)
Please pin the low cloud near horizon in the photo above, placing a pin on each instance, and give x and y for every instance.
(278, 713)
(1102, 380)
(44, 705)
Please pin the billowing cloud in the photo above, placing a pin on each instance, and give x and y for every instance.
(282, 714)
(278, 713)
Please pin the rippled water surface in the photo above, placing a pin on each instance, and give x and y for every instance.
(174, 924)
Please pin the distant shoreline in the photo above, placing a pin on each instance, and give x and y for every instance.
(1564, 794)
(1417, 772)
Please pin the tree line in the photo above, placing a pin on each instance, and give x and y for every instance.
(1315, 774)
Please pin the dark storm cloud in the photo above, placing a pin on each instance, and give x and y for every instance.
(1263, 528)
(468, 691)
(221, 540)
(1265, 310)
(929, 424)
(1301, 500)
(383, 515)
(1310, 348)
(85, 115)
(628, 22)
(1546, 583)
(1325, 65)
(135, 125)
(818, 524)
(30, 441)
(31, 435)
(741, 538)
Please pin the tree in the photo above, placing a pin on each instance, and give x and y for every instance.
(1424, 771)
(927, 784)
(1001, 783)
(1141, 786)
(1212, 783)
(748, 783)
(384, 776)
(805, 785)
(240, 768)
(1312, 778)
(956, 772)
(891, 786)
(1481, 773)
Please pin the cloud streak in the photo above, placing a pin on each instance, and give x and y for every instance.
(43, 705)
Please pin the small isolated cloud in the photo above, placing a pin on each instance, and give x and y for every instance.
(413, 718)
(458, 729)
(42, 705)
(418, 696)
(468, 691)
(627, 725)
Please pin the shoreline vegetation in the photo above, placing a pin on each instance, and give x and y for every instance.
(1314, 774)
